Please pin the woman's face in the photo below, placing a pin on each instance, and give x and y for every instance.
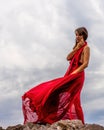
(78, 37)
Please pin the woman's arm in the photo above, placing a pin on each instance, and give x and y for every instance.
(71, 54)
(86, 57)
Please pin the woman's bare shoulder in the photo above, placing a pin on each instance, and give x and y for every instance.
(86, 47)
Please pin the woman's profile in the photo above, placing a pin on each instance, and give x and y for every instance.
(59, 99)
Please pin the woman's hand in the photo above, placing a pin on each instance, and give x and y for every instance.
(74, 72)
(80, 43)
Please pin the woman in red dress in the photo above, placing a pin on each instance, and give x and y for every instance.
(59, 99)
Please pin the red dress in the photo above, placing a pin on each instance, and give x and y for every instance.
(58, 99)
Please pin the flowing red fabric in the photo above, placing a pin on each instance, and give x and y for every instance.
(58, 99)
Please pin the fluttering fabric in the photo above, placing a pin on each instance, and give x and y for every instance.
(56, 99)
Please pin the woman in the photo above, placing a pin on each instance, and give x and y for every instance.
(59, 99)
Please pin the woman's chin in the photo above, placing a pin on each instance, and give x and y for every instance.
(77, 41)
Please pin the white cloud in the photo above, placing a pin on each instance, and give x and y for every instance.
(97, 9)
(35, 37)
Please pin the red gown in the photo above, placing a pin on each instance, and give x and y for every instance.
(58, 99)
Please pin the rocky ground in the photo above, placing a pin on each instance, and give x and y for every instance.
(60, 125)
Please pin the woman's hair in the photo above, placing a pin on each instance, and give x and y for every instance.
(82, 31)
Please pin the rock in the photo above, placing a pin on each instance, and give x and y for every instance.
(32, 126)
(67, 125)
(92, 127)
(17, 127)
(1, 128)
(59, 125)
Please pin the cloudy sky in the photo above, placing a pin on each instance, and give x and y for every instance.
(35, 38)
